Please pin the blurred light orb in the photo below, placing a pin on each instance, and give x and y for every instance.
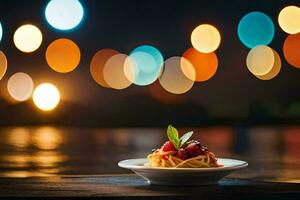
(148, 62)
(47, 138)
(64, 14)
(205, 64)
(1, 31)
(19, 137)
(28, 38)
(256, 28)
(291, 50)
(260, 60)
(46, 96)
(20, 86)
(97, 65)
(63, 55)
(274, 71)
(116, 70)
(3, 64)
(205, 38)
(177, 75)
(289, 19)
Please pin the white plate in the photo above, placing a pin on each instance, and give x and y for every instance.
(182, 176)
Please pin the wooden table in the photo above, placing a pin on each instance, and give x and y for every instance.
(129, 186)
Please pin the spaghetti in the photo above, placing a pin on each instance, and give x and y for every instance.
(168, 159)
(175, 153)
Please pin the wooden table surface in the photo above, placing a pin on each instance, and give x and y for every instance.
(129, 186)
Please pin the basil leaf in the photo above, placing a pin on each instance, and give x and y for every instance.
(173, 136)
(185, 137)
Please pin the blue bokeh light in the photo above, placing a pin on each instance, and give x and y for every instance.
(147, 61)
(1, 31)
(64, 14)
(256, 28)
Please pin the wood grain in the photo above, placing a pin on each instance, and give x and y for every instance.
(130, 186)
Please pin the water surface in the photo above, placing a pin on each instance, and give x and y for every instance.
(273, 153)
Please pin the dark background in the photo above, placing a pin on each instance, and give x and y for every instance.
(232, 96)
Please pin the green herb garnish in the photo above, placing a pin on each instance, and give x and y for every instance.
(174, 137)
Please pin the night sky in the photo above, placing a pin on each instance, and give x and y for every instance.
(166, 24)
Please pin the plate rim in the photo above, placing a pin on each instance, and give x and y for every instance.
(123, 164)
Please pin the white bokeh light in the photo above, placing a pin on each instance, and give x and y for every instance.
(20, 86)
(46, 96)
(28, 38)
(64, 14)
(1, 31)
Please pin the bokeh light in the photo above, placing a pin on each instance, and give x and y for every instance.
(260, 60)
(1, 31)
(3, 64)
(64, 14)
(205, 38)
(289, 19)
(20, 86)
(46, 96)
(256, 28)
(19, 137)
(28, 38)
(63, 55)
(47, 138)
(148, 62)
(177, 74)
(116, 70)
(205, 64)
(291, 50)
(97, 65)
(49, 161)
(274, 71)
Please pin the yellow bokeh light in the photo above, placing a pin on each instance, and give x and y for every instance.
(16, 161)
(63, 55)
(205, 38)
(19, 137)
(289, 19)
(275, 70)
(177, 75)
(28, 38)
(260, 60)
(20, 86)
(3, 64)
(48, 159)
(118, 71)
(47, 138)
(46, 96)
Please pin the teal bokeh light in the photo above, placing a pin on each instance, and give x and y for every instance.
(256, 28)
(1, 31)
(147, 61)
(64, 14)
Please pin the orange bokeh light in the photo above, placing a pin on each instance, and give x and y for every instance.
(97, 64)
(205, 64)
(274, 71)
(3, 64)
(291, 49)
(63, 55)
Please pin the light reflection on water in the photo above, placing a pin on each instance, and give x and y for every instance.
(273, 153)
